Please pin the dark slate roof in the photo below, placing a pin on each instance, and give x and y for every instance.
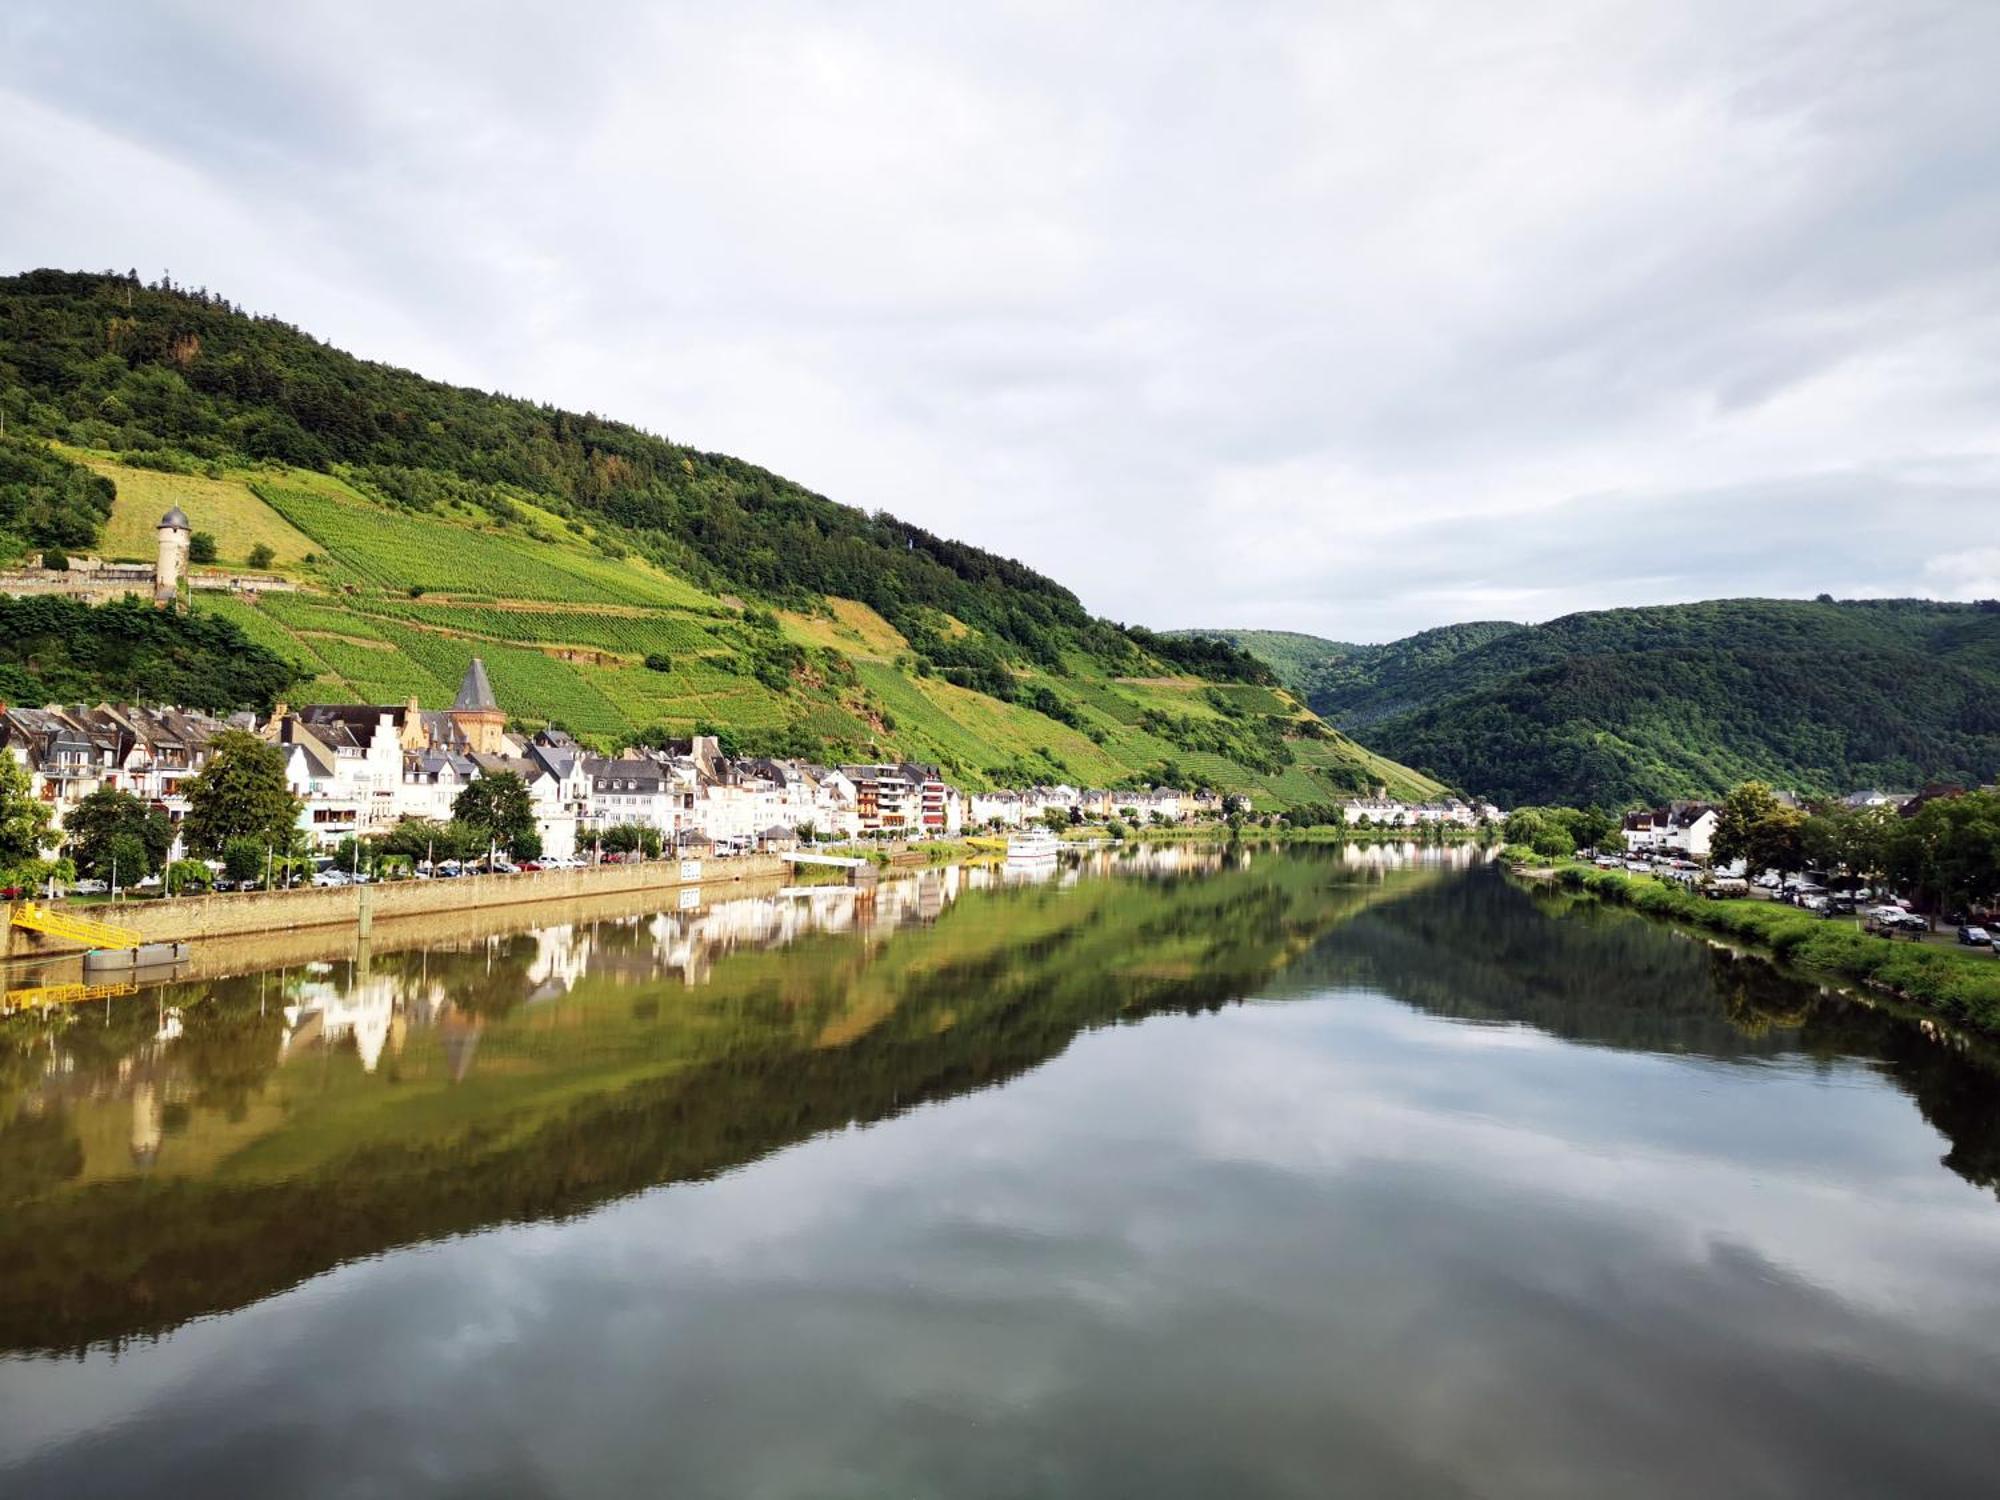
(475, 692)
(176, 518)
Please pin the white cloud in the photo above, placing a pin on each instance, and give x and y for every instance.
(1288, 314)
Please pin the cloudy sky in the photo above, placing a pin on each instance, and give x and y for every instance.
(1350, 318)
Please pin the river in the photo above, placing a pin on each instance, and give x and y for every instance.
(1182, 1172)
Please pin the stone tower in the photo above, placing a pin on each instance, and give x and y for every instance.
(476, 713)
(168, 571)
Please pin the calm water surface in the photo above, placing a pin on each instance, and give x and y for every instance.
(1186, 1175)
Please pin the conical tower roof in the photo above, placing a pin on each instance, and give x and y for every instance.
(174, 520)
(475, 693)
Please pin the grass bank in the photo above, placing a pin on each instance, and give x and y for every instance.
(1961, 987)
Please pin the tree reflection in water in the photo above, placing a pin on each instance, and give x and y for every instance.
(204, 1145)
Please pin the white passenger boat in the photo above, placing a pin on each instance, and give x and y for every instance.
(1034, 846)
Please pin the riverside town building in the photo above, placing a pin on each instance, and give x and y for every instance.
(360, 768)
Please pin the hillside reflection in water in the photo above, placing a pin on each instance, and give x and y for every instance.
(1360, 1172)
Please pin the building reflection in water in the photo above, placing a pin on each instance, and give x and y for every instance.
(374, 1004)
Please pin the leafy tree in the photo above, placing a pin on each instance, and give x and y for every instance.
(240, 793)
(628, 838)
(1755, 827)
(261, 556)
(243, 859)
(125, 859)
(201, 547)
(55, 560)
(185, 875)
(499, 808)
(109, 815)
(1950, 851)
(420, 839)
(24, 820)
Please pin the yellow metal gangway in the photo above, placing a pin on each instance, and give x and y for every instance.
(61, 924)
(41, 997)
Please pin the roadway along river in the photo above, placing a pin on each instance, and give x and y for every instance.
(1360, 1172)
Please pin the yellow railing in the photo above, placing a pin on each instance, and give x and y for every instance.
(61, 924)
(40, 997)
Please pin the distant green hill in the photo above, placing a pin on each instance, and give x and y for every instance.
(615, 582)
(1638, 705)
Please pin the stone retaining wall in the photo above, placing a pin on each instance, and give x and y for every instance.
(242, 914)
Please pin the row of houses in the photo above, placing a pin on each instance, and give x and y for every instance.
(1019, 808)
(362, 768)
(1386, 812)
(359, 769)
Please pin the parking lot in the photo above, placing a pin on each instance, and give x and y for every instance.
(1942, 934)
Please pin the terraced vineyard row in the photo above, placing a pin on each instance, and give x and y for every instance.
(393, 550)
(631, 635)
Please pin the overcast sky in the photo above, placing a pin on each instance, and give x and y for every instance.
(1348, 318)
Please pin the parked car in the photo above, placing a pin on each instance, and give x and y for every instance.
(1974, 937)
(89, 888)
(330, 878)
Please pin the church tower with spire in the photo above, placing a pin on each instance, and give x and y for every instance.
(476, 714)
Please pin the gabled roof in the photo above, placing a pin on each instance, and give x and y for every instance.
(475, 693)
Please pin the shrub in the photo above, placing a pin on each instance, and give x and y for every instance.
(659, 661)
(55, 560)
(261, 556)
(201, 547)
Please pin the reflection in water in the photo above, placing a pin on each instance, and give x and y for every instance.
(201, 1146)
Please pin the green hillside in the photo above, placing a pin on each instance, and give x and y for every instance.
(1638, 705)
(1319, 670)
(616, 583)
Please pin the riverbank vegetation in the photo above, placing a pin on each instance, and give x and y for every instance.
(1962, 986)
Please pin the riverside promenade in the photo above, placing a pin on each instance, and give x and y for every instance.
(194, 919)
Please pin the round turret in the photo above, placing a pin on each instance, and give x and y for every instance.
(175, 538)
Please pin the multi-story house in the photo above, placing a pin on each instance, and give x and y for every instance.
(70, 753)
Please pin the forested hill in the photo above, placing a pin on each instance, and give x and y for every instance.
(1638, 705)
(616, 582)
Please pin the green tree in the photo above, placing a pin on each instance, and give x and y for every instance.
(185, 875)
(55, 560)
(261, 556)
(124, 856)
(240, 793)
(627, 838)
(109, 814)
(1755, 827)
(420, 839)
(500, 809)
(24, 821)
(201, 547)
(243, 859)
